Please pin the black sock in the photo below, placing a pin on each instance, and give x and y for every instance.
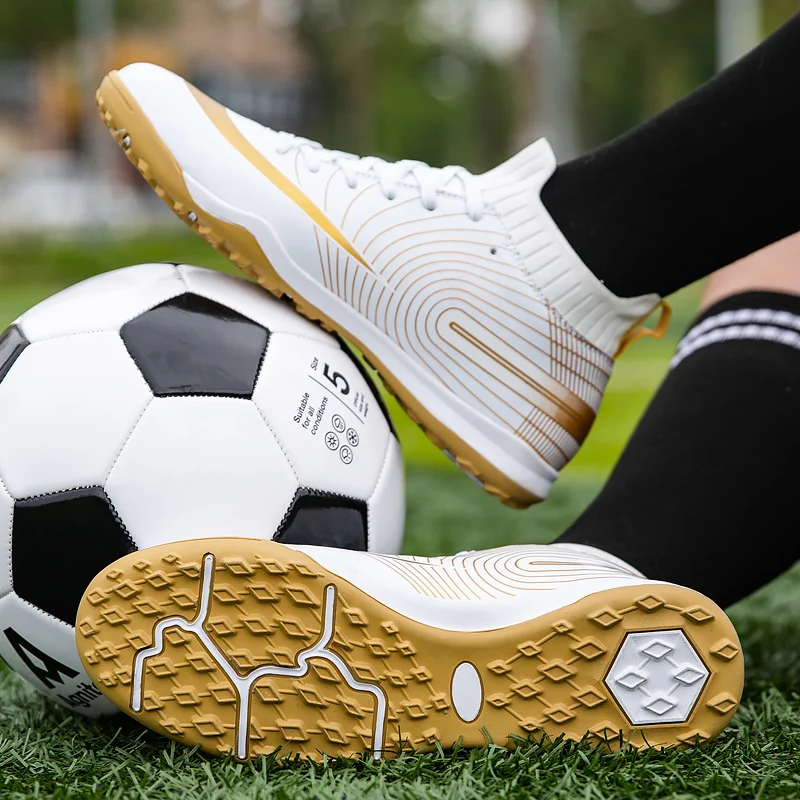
(708, 181)
(705, 493)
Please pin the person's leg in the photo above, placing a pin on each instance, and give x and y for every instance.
(701, 493)
(706, 182)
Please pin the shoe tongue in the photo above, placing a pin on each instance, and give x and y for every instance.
(528, 169)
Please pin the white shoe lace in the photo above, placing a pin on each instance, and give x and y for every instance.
(430, 180)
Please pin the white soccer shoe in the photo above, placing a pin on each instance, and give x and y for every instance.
(459, 288)
(244, 646)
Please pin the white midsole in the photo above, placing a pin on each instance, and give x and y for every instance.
(221, 185)
(482, 591)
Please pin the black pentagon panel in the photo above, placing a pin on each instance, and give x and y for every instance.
(59, 543)
(325, 519)
(190, 345)
(12, 343)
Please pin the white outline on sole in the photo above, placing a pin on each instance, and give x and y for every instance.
(243, 685)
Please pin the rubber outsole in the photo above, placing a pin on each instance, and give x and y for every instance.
(243, 646)
(146, 150)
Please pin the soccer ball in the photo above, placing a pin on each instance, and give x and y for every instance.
(165, 402)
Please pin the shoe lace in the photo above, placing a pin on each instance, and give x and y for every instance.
(429, 180)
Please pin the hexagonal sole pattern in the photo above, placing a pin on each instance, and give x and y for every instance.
(245, 646)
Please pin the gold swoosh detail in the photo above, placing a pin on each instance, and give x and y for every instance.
(218, 114)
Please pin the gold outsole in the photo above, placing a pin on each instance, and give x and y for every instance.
(268, 605)
(152, 158)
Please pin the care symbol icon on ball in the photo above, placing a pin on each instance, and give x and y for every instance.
(352, 437)
(338, 423)
(346, 454)
(332, 440)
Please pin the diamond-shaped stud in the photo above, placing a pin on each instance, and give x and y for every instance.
(377, 648)
(529, 649)
(300, 596)
(126, 590)
(590, 697)
(688, 675)
(241, 659)
(422, 674)
(415, 709)
(659, 704)
(559, 713)
(256, 625)
(526, 689)
(222, 693)
(695, 736)
(698, 614)
(656, 649)
(310, 695)
(267, 693)
(589, 648)
(158, 579)
(630, 679)
(498, 700)
(186, 696)
(650, 603)
(357, 617)
(292, 730)
(96, 596)
(224, 594)
(498, 667)
(114, 616)
(147, 607)
(183, 599)
(107, 651)
(162, 668)
(200, 662)
(557, 670)
(221, 626)
(605, 617)
(325, 672)
(262, 593)
(725, 649)
(333, 732)
(530, 724)
(172, 726)
(293, 627)
(562, 626)
(723, 703)
(352, 707)
(208, 725)
(237, 566)
(272, 567)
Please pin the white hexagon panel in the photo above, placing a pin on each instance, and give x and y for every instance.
(657, 677)
(103, 303)
(324, 413)
(198, 467)
(66, 408)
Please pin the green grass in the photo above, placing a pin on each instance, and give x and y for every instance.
(47, 752)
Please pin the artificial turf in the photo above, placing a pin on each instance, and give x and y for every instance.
(48, 752)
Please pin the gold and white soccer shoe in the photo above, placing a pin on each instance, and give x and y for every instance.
(243, 646)
(459, 288)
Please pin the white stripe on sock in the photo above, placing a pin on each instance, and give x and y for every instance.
(770, 333)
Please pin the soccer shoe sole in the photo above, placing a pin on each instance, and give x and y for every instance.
(148, 152)
(243, 646)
